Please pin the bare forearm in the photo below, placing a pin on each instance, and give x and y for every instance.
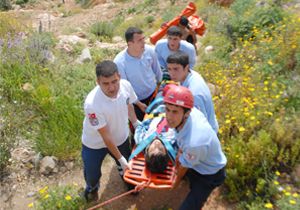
(112, 148)
(131, 114)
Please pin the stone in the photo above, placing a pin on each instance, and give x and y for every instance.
(47, 165)
(208, 49)
(85, 56)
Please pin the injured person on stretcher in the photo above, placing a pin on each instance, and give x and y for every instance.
(154, 138)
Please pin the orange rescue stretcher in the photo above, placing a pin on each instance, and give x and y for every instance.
(140, 175)
(195, 21)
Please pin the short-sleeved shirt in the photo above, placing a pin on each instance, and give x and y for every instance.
(200, 146)
(143, 73)
(202, 97)
(101, 110)
(162, 50)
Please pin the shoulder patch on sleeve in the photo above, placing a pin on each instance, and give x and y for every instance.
(93, 119)
(189, 156)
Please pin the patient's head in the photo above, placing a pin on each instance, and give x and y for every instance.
(156, 157)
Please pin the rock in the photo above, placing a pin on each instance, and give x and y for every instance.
(71, 39)
(44, 22)
(30, 194)
(114, 46)
(47, 165)
(69, 165)
(208, 49)
(35, 160)
(27, 87)
(16, 7)
(117, 39)
(81, 34)
(48, 55)
(85, 56)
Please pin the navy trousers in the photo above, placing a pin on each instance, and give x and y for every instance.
(200, 188)
(92, 162)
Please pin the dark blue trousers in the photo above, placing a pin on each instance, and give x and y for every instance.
(92, 162)
(200, 188)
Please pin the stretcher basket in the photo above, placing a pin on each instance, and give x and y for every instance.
(139, 174)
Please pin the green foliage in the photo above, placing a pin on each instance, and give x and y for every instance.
(66, 198)
(21, 2)
(103, 29)
(103, 54)
(254, 67)
(246, 15)
(5, 5)
(53, 138)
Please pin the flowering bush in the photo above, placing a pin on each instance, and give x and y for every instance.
(66, 198)
(256, 101)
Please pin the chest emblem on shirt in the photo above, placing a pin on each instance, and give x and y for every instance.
(190, 156)
(93, 119)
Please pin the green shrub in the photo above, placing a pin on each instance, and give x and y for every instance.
(5, 5)
(21, 2)
(246, 15)
(60, 127)
(103, 29)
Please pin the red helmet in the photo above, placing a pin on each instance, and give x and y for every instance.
(179, 96)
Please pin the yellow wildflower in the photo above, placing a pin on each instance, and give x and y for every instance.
(277, 173)
(252, 118)
(265, 89)
(227, 121)
(287, 193)
(242, 129)
(68, 197)
(30, 205)
(295, 195)
(266, 82)
(293, 202)
(270, 63)
(43, 190)
(269, 205)
(46, 196)
(276, 182)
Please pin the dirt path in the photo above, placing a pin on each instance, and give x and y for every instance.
(111, 185)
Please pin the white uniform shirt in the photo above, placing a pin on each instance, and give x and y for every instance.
(100, 111)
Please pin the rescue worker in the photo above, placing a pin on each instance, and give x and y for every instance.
(107, 109)
(139, 65)
(172, 44)
(180, 71)
(188, 33)
(200, 155)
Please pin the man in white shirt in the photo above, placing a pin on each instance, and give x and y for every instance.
(105, 127)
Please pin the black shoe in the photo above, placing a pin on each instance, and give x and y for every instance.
(90, 196)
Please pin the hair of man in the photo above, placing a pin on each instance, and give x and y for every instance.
(106, 68)
(174, 31)
(129, 34)
(157, 161)
(184, 21)
(179, 58)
